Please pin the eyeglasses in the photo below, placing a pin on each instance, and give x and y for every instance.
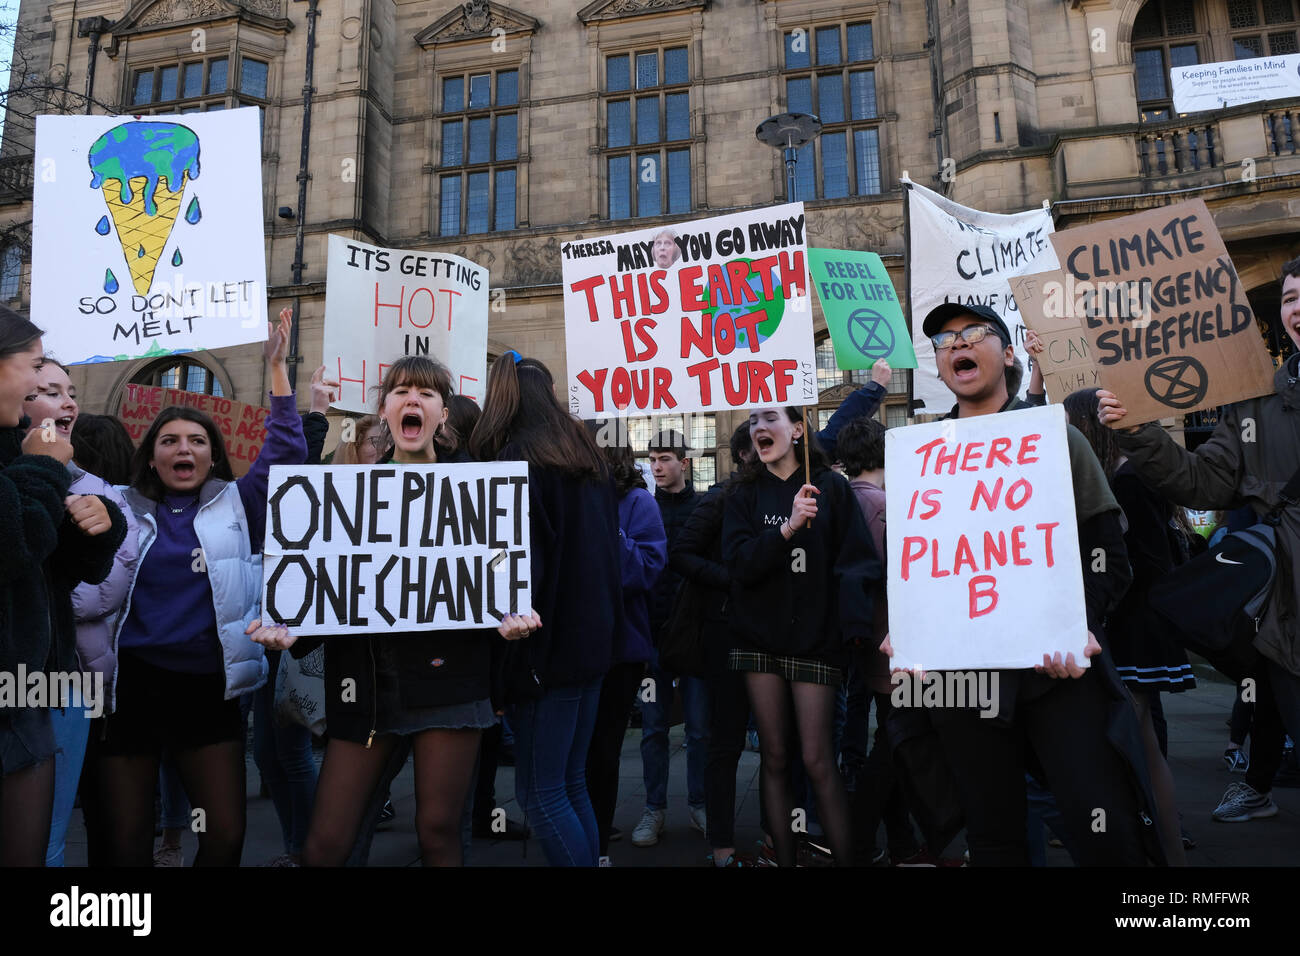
(971, 335)
(377, 442)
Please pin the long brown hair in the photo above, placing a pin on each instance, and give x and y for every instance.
(621, 462)
(420, 371)
(1081, 410)
(146, 481)
(523, 421)
(349, 452)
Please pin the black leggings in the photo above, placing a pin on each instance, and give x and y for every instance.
(617, 694)
(880, 795)
(780, 705)
(727, 725)
(26, 803)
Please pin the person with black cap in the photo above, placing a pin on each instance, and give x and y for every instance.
(1077, 722)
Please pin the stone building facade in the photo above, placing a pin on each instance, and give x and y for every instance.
(499, 132)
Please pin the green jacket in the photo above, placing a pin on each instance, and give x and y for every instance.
(1250, 457)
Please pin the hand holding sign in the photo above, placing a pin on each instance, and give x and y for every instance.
(881, 373)
(1054, 667)
(274, 636)
(1110, 411)
(805, 507)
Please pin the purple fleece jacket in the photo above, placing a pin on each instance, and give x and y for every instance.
(643, 548)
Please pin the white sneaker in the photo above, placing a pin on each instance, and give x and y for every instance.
(648, 830)
(699, 819)
(604, 861)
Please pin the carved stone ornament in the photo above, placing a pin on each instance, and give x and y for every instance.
(477, 16)
(615, 9)
(175, 11)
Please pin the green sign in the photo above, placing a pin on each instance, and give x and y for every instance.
(862, 312)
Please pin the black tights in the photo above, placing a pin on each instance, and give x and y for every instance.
(26, 802)
(214, 779)
(810, 708)
(444, 766)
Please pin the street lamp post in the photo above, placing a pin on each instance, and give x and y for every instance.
(787, 132)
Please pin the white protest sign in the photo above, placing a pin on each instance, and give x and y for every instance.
(147, 234)
(360, 549)
(983, 547)
(699, 316)
(959, 254)
(382, 304)
(1216, 86)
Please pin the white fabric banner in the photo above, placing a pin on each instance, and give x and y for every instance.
(1215, 86)
(959, 254)
(382, 304)
(983, 544)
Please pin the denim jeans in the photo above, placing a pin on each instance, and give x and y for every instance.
(654, 737)
(284, 759)
(71, 732)
(552, 737)
(852, 705)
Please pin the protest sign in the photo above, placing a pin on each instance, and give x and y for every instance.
(959, 254)
(360, 549)
(147, 234)
(983, 546)
(1216, 86)
(242, 426)
(381, 304)
(1167, 321)
(700, 316)
(1066, 361)
(862, 312)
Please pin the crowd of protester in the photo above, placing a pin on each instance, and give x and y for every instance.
(760, 601)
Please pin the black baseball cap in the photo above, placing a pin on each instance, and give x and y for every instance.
(940, 314)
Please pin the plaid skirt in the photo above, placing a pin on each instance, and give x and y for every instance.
(802, 669)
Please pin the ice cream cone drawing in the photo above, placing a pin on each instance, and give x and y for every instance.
(142, 169)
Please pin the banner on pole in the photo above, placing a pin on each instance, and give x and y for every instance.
(699, 316)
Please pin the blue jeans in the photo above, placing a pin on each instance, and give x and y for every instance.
(71, 732)
(654, 737)
(283, 758)
(552, 736)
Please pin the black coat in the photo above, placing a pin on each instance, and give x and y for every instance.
(697, 558)
(576, 582)
(42, 558)
(675, 508)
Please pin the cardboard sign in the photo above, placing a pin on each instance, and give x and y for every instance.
(862, 312)
(363, 549)
(983, 545)
(1166, 318)
(1066, 360)
(381, 304)
(959, 254)
(699, 316)
(1216, 86)
(147, 234)
(242, 426)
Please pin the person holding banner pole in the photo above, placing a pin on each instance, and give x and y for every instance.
(427, 691)
(184, 659)
(802, 570)
(553, 678)
(1078, 722)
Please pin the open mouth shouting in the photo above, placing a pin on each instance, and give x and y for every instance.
(965, 368)
(411, 427)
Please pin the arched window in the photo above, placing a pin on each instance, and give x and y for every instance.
(186, 374)
(1166, 34)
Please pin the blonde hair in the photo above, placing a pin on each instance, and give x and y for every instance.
(349, 452)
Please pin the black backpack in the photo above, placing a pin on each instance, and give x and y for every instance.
(1220, 596)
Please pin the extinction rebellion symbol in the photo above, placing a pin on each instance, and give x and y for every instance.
(1178, 381)
(871, 333)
